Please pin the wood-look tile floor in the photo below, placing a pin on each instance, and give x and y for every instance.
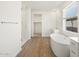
(37, 47)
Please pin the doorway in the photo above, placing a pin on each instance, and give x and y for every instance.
(37, 29)
(37, 24)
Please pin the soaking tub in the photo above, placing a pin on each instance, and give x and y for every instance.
(60, 45)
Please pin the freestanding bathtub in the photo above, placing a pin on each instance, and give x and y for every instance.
(60, 45)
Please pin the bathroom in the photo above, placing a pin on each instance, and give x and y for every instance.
(39, 29)
(51, 23)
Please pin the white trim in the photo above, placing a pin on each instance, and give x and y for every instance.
(12, 54)
(25, 41)
(17, 52)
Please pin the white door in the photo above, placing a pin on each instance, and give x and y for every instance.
(10, 28)
(38, 28)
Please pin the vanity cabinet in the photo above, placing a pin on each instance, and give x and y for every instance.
(74, 48)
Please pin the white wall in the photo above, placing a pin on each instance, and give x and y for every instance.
(26, 24)
(59, 19)
(48, 23)
(10, 32)
(37, 18)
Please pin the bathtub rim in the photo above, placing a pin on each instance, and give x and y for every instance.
(58, 42)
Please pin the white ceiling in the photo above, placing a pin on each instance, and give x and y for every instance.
(44, 5)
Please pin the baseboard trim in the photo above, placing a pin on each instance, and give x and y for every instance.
(46, 36)
(18, 52)
(13, 54)
(25, 41)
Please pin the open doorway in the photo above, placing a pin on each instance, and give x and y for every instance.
(37, 24)
(37, 29)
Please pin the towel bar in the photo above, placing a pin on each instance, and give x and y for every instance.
(9, 22)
